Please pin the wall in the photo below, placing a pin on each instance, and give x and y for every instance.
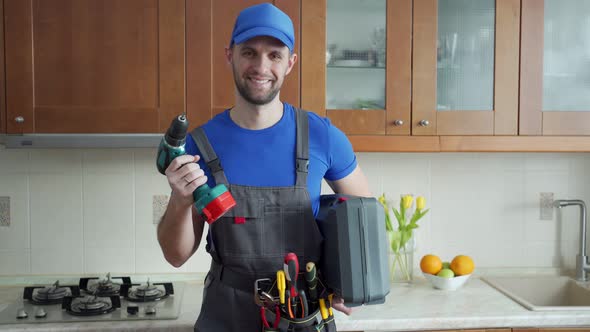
(91, 212)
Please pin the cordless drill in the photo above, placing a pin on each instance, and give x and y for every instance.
(211, 203)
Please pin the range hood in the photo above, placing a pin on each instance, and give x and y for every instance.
(40, 141)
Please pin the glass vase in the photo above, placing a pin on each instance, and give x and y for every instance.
(401, 263)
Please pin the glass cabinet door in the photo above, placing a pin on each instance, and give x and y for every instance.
(465, 55)
(555, 86)
(465, 67)
(355, 52)
(356, 63)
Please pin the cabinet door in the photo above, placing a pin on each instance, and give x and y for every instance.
(2, 86)
(357, 64)
(210, 82)
(465, 67)
(87, 66)
(552, 329)
(555, 80)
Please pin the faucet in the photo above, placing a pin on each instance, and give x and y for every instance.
(582, 266)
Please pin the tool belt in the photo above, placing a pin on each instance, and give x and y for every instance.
(277, 317)
(311, 323)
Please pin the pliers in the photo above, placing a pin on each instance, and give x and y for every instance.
(302, 298)
(265, 321)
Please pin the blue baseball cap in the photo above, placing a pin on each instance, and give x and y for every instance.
(263, 20)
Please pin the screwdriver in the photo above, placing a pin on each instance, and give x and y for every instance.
(281, 286)
(291, 268)
(324, 312)
(323, 309)
(329, 304)
(312, 282)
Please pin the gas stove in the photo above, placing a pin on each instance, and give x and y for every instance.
(95, 299)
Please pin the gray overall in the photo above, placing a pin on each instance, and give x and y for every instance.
(251, 240)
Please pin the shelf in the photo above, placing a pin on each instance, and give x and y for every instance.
(356, 67)
(390, 143)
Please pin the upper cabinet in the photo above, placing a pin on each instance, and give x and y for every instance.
(394, 75)
(356, 64)
(87, 66)
(210, 82)
(422, 67)
(465, 67)
(2, 76)
(555, 79)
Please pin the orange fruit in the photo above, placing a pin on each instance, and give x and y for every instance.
(430, 264)
(462, 265)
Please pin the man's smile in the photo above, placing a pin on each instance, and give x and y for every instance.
(261, 82)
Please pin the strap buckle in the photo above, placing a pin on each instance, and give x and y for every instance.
(302, 165)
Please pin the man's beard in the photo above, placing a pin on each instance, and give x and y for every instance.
(247, 94)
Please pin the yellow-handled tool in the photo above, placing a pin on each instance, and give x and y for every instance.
(281, 286)
(330, 297)
(323, 309)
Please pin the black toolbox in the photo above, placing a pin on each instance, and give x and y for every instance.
(354, 261)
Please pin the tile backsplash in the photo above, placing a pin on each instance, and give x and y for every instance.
(92, 211)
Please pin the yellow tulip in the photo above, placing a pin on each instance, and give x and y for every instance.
(407, 201)
(420, 203)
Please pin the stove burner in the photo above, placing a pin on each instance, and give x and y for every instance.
(91, 305)
(53, 294)
(104, 287)
(147, 292)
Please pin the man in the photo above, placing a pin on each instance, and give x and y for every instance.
(273, 159)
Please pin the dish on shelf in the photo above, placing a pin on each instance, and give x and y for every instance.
(351, 63)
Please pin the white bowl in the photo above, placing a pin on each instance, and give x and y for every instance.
(447, 283)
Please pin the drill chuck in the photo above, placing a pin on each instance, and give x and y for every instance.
(176, 133)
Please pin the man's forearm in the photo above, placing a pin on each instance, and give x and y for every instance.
(176, 233)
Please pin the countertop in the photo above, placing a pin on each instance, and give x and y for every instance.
(408, 307)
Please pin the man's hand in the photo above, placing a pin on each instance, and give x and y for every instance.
(338, 304)
(184, 176)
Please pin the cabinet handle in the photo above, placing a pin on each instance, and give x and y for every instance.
(398, 123)
(423, 123)
(19, 119)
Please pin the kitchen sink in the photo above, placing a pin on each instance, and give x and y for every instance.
(544, 293)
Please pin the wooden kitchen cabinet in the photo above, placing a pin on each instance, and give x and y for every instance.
(409, 120)
(555, 329)
(350, 44)
(465, 67)
(110, 66)
(385, 124)
(555, 57)
(210, 85)
(87, 66)
(413, 61)
(2, 85)
(427, 42)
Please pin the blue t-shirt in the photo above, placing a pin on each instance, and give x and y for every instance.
(266, 157)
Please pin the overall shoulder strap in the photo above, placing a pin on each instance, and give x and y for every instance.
(302, 157)
(209, 155)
